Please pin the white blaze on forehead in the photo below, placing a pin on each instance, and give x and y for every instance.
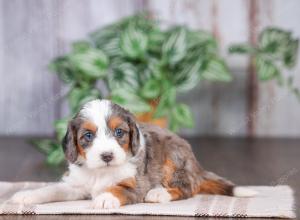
(97, 111)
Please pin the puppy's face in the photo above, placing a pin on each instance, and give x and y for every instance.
(102, 134)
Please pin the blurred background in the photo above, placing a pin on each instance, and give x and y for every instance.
(34, 32)
(215, 71)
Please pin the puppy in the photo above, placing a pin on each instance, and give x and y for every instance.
(115, 160)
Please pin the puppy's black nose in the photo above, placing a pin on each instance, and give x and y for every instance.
(107, 157)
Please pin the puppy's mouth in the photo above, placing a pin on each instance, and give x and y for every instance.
(110, 164)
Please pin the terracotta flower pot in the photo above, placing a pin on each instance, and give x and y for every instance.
(148, 117)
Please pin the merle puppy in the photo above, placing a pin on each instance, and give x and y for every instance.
(115, 160)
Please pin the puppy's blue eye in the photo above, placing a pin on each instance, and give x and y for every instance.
(119, 132)
(88, 136)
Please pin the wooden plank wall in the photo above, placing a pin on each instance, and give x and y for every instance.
(34, 31)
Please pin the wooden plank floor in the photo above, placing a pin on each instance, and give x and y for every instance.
(244, 161)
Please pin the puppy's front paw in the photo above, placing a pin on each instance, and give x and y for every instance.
(106, 201)
(25, 197)
(160, 195)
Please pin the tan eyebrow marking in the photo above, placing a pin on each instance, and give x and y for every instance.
(114, 122)
(89, 126)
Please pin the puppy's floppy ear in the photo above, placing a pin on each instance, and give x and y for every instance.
(134, 135)
(69, 143)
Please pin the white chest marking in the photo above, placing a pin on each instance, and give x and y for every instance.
(94, 182)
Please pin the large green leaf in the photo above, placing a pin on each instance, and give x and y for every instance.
(174, 47)
(166, 102)
(145, 73)
(134, 43)
(56, 157)
(74, 97)
(291, 53)
(130, 101)
(156, 39)
(173, 124)
(112, 47)
(64, 69)
(103, 35)
(188, 77)
(274, 41)
(215, 69)
(92, 63)
(153, 69)
(107, 39)
(61, 128)
(151, 89)
(123, 75)
(183, 115)
(180, 116)
(266, 70)
(202, 40)
(45, 145)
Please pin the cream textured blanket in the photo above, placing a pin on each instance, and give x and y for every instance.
(270, 202)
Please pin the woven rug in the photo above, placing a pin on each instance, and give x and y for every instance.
(271, 201)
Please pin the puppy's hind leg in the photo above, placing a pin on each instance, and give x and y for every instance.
(52, 193)
(211, 183)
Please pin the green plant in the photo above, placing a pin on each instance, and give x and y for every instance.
(276, 51)
(138, 63)
(147, 63)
